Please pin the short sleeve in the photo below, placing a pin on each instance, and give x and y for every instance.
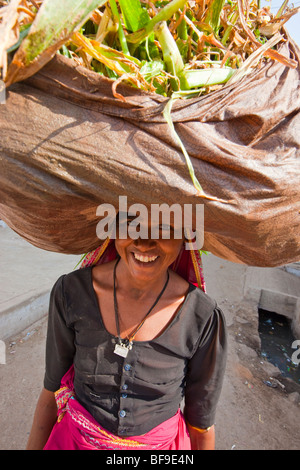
(60, 348)
(205, 373)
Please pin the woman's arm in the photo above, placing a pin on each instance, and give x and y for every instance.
(204, 379)
(43, 421)
(202, 439)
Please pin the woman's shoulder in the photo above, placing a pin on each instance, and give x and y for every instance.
(84, 279)
(203, 318)
(80, 273)
(73, 281)
(201, 306)
(201, 298)
(103, 273)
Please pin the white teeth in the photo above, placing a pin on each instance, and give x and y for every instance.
(144, 258)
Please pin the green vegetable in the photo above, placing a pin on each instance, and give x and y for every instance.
(176, 48)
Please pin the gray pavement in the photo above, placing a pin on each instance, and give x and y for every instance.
(27, 274)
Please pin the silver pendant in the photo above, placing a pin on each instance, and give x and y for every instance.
(122, 349)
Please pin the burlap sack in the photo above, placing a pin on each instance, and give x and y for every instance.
(67, 145)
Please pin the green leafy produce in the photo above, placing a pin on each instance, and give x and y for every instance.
(174, 48)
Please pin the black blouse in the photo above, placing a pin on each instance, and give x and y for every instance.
(130, 396)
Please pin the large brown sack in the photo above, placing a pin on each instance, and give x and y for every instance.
(67, 145)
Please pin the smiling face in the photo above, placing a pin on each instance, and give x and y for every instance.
(147, 258)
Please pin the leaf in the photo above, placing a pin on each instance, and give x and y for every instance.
(168, 118)
(9, 32)
(54, 24)
(151, 69)
(23, 33)
(115, 60)
(200, 192)
(134, 15)
(163, 15)
(121, 34)
(214, 13)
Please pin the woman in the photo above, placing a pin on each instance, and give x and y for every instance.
(129, 340)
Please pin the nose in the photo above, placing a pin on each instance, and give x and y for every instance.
(144, 244)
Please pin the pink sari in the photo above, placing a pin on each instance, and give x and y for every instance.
(76, 429)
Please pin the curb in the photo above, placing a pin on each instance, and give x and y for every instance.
(18, 318)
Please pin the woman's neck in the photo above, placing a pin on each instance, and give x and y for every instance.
(137, 289)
